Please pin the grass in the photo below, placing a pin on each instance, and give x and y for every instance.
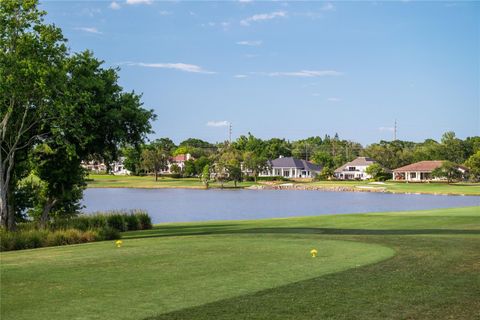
(404, 265)
(110, 181)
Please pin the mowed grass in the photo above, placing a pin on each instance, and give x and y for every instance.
(402, 187)
(120, 181)
(403, 265)
(111, 181)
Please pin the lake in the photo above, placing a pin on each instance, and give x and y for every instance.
(181, 205)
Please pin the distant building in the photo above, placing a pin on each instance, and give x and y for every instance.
(118, 168)
(94, 166)
(289, 167)
(420, 171)
(354, 170)
(179, 160)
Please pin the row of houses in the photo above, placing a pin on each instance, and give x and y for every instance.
(354, 170)
(289, 167)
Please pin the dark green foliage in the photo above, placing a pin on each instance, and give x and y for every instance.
(37, 238)
(109, 233)
(144, 220)
(119, 220)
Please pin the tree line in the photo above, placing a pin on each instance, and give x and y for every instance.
(227, 161)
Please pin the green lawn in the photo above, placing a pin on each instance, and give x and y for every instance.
(402, 187)
(405, 265)
(111, 181)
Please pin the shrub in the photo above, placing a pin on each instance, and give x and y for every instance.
(108, 233)
(145, 222)
(116, 221)
(132, 222)
(34, 238)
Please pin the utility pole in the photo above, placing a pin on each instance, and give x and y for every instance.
(230, 132)
(395, 131)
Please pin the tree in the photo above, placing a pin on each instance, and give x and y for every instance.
(176, 170)
(200, 163)
(56, 110)
(377, 172)
(31, 75)
(255, 164)
(155, 158)
(133, 159)
(448, 170)
(189, 169)
(326, 173)
(473, 163)
(205, 176)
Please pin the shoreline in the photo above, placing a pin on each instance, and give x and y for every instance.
(290, 186)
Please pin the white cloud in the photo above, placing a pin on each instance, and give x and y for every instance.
(133, 2)
(176, 66)
(305, 73)
(333, 99)
(262, 17)
(114, 6)
(89, 30)
(165, 13)
(390, 129)
(252, 43)
(223, 123)
(239, 76)
(328, 7)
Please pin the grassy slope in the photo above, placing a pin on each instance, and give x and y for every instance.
(260, 270)
(109, 181)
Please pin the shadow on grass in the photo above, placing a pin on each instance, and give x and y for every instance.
(178, 231)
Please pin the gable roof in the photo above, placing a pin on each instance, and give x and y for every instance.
(359, 161)
(421, 166)
(290, 162)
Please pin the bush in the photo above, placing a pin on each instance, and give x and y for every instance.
(116, 221)
(34, 238)
(144, 220)
(108, 233)
(120, 220)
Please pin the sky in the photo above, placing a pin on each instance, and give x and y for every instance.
(289, 69)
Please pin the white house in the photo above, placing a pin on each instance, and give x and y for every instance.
(355, 170)
(289, 167)
(179, 160)
(118, 167)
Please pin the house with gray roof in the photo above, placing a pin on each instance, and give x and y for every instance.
(355, 169)
(290, 167)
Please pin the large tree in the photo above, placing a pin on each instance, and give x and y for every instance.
(32, 64)
(67, 108)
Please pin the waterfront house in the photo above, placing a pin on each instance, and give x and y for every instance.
(290, 167)
(420, 171)
(179, 160)
(355, 169)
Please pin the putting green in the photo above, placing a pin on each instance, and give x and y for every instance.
(151, 276)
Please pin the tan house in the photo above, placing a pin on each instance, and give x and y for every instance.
(420, 171)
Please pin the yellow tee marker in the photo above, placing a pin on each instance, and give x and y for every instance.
(118, 243)
(314, 253)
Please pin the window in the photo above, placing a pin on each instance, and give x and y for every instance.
(351, 168)
(286, 173)
(413, 175)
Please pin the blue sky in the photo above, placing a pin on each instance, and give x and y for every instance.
(289, 69)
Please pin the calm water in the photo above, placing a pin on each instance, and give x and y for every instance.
(174, 205)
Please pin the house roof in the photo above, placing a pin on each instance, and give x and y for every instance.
(290, 162)
(360, 161)
(427, 166)
(181, 157)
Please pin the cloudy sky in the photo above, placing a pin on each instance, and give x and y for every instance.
(289, 69)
